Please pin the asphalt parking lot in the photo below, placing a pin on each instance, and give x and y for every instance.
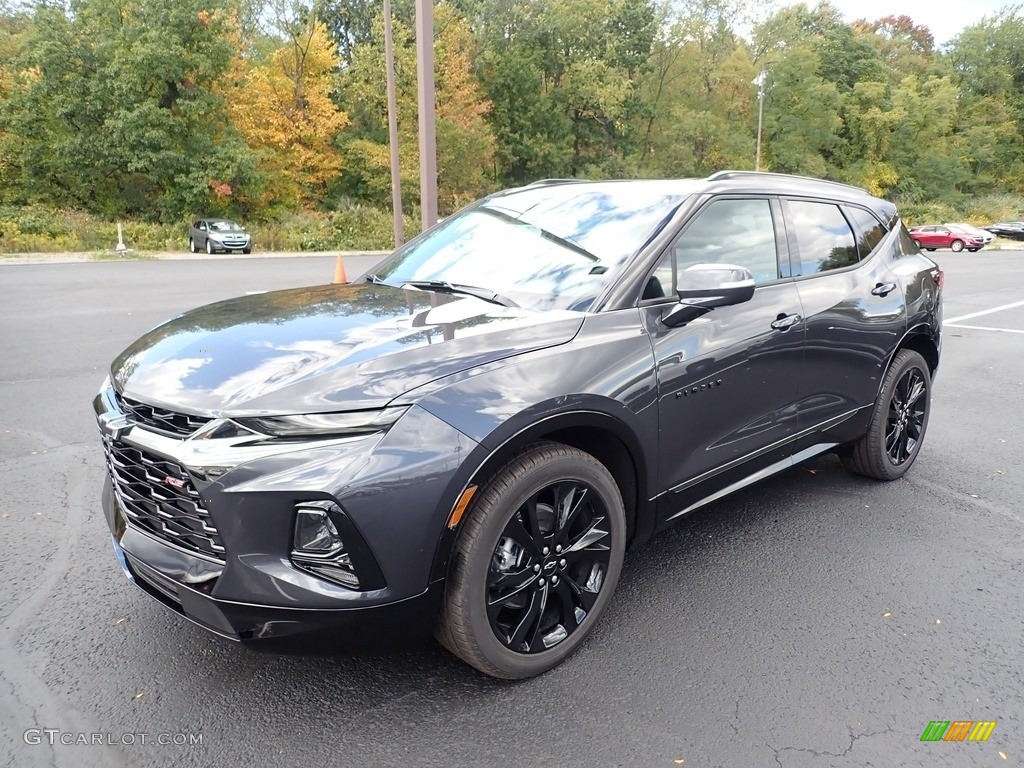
(817, 619)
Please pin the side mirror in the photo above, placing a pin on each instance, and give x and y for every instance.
(703, 287)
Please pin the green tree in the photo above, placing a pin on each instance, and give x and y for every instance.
(802, 115)
(115, 109)
(465, 143)
(563, 76)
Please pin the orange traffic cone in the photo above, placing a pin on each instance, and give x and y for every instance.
(339, 270)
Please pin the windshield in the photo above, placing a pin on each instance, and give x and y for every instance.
(224, 226)
(544, 247)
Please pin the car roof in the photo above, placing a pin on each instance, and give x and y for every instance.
(730, 182)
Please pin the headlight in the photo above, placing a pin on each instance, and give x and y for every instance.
(325, 424)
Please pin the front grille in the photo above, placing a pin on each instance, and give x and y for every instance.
(158, 496)
(160, 419)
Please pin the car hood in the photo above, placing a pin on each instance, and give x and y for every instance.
(325, 348)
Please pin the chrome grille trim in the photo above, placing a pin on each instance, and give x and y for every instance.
(162, 420)
(158, 496)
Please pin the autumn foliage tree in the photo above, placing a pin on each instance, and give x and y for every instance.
(284, 111)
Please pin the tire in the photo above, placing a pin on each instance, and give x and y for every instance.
(209, 246)
(877, 454)
(973, 250)
(497, 546)
(957, 246)
(918, 244)
(191, 245)
(247, 250)
(930, 249)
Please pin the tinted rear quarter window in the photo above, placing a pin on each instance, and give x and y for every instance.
(824, 239)
(867, 228)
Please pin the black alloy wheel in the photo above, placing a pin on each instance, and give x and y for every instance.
(905, 423)
(898, 422)
(536, 564)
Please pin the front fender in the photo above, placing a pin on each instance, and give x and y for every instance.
(604, 380)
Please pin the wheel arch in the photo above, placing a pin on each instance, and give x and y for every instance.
(603, 436)
(920, 340)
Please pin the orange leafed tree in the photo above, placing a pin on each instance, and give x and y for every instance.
(283, 109)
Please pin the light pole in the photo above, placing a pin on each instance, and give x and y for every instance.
(760, 117)
(396, 179)
(428, 138)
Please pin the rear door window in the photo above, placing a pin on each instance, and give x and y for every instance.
(823, 238)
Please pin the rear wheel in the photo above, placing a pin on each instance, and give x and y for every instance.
(918, 244)
(536, 563)
(191, 245)
(973, 250)
(898, 422)
(957, 246)
(930, 249)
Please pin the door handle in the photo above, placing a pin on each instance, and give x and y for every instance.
(883, 289)
(785, 322)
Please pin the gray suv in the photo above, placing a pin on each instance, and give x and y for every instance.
(215, 235)
(470, 439)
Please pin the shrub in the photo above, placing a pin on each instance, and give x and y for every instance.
(351, 227)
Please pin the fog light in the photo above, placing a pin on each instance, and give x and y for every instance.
(317, 545)
(315, 533)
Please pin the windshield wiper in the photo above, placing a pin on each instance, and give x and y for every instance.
(441, 286)
(567, 244)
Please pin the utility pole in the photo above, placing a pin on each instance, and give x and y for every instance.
(428, 135)
(396, 179)
(760, 118)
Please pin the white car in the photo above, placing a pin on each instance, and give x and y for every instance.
(988, 237)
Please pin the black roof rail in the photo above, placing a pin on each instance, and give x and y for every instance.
(725, 175)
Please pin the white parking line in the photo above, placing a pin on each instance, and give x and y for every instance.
(982, 328)
(984, 312)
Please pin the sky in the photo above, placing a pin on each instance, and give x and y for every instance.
(944, 18)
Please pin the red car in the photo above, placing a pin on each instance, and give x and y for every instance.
(939, 236)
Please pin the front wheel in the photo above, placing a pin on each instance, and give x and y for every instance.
(536, 563)
(898, 422)
(209, 246)
(957, 246)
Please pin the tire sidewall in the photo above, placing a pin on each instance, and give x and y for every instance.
(957, 246)
(496, 517)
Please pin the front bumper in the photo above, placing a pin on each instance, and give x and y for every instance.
(163, 573)
(395, 490)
